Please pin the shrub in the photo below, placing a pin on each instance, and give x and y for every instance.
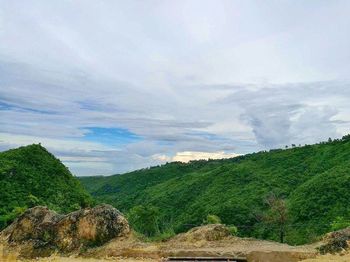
(233, 230)
(212, 219)
(339, 223)
(144, 219)
(164, 235)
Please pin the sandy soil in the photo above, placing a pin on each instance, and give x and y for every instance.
(71, 259)
(330, 258)
(325, 258)
(79, 259)
(134, 250)
(227, 247)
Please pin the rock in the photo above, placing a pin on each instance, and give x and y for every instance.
(35, 223)
(92, 227)
(210, 232)
(335, 241)
(40, 231)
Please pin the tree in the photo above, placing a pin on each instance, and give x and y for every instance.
(277, 215)
(144, 219)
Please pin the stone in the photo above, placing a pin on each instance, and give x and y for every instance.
(40, 231)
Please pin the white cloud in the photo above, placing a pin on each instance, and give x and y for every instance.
(58, 145)
(81, 159)
(198, 76)
(193, 155)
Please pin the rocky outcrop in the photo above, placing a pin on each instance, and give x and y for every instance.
(335, 241)
(212, 232)
(40, 231)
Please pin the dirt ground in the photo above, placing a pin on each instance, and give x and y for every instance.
(330, 258)
(194, 244)
(323, 258)
(129, 250)
(55, 258)
(79, 259)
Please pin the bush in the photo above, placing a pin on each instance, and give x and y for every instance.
(32, 201)
(339, 223)
(144, 219)
(212, 219)
(164, 235)
(7, 219)
(233, 230)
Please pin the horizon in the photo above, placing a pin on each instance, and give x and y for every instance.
(111, 87)
(286, 147)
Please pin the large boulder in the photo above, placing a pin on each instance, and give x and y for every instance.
(40, 231)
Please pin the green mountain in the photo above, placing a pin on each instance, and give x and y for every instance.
(32, 176)
(313, 181)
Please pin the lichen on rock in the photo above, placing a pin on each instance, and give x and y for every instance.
(40, 231)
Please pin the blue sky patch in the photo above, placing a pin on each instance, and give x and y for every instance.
(110, 136)
(7, 106)
(4, 106)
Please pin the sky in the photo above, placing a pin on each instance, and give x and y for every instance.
(114, 86)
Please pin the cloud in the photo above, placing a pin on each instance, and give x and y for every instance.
(114, 86)
(237, 119)
(193, 155)
(293, 113)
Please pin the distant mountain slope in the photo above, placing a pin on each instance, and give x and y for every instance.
(32, 176)
(314, 180)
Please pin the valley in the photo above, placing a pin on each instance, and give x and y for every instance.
(238, 207)
(310, 183)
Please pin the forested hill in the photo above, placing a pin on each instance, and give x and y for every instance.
(313, 181)
(31, 176)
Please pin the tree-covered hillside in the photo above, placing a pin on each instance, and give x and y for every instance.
(313, 182)
(32, 176)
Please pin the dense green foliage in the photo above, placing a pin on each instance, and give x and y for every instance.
(144, 219)
(339, 223)
(31, 176)
(313, 181)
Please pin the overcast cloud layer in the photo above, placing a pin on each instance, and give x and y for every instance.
(112, 86)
